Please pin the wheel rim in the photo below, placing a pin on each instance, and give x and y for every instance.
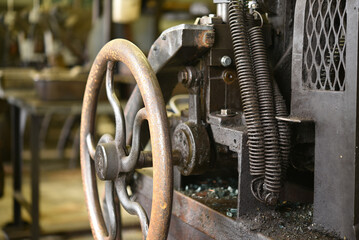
(123, 51)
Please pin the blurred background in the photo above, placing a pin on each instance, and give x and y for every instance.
(46, 50)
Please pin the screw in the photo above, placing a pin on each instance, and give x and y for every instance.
(226, 61)
(225, 112)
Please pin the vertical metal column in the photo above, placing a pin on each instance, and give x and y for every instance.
(35, 162)
(16, 150)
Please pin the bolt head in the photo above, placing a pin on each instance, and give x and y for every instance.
(226, 61)
(224, 112)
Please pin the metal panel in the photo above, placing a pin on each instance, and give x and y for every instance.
(336, 130)
(324, 45)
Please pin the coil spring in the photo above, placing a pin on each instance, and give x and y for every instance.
(283, 128)
(247, 87)
(272, 179)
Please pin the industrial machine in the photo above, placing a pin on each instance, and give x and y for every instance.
(272, 118)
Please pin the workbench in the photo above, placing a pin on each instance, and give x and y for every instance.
(26, 102)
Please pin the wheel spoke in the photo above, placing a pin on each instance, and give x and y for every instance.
(128, 163)
(92, 200)
(90, 146)
(104, 229)
(120, 136)
(109, 210)
(133, 208)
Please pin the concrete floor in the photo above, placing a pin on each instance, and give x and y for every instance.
(62, 205)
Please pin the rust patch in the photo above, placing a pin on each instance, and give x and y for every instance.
(205, 39)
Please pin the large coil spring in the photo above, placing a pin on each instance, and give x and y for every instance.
(268, 138)
(272, 179)
(283, 128)
(247, 87)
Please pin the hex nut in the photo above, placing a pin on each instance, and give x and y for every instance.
(226, 61)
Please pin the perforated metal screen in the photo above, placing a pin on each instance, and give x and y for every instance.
(324, 45)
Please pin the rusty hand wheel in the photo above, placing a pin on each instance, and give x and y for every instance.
(110, 161)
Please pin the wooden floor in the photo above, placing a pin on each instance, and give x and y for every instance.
(62, 206)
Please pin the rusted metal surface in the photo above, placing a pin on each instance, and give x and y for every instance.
(182, 230)
(180, 44)
(198, 220)
(200, 217)
(192, 142)
(205, 39)
(129, 54)
(175, 48)
(145, 159)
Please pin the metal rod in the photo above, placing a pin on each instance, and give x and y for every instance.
(145, 159)
(65, 134)
(44, 129)
(23, 202)
(35, 161)
(16, 161)
(222, 11)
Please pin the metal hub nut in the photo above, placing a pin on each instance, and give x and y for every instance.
(189, 76)
(192, 141)
(106, 162)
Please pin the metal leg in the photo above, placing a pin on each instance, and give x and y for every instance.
(35, 161)
(18, 227)
(16, 157)
(75, 150)
(44, 129)
(65, 134)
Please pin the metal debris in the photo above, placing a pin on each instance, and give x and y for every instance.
(212, 188)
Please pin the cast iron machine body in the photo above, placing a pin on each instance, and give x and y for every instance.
(242, 68)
